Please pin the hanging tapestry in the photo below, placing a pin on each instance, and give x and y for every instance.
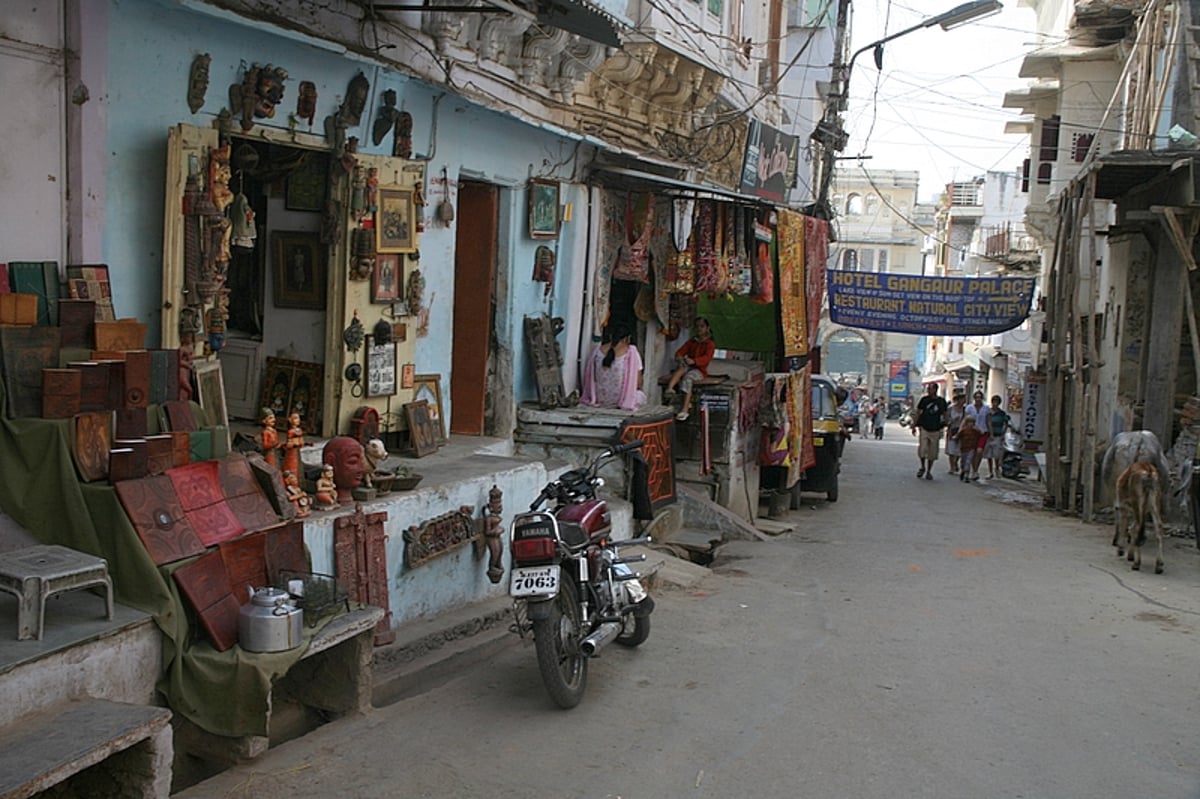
(816, 253)
(707, 277)
(792, 301)
(642, 262)
(633, 258)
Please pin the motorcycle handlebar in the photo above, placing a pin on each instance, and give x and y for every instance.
(630, 446)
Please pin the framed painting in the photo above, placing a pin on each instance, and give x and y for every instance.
(299, 269)
(543, 209)
(294, 386)
(429, 389)
(421, 432)
(306, 184)
(381, 368)
(395, 227)
(387, 277)
(210, 390)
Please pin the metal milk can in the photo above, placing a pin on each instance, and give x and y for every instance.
(270, 622)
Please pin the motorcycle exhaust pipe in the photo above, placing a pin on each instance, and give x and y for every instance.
(605, 634)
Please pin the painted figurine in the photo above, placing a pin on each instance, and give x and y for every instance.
(376, 454)
(326, 489)
(297, 495)
(269, 438)
(293, 444)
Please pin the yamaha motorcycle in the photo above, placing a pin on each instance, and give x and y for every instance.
(571, 587)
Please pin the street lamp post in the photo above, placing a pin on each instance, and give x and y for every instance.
(829, 132)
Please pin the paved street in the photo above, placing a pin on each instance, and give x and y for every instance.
(916, 639)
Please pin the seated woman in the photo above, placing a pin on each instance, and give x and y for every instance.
(613, 374)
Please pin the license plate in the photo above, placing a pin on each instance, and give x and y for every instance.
(534, 581)
(818, 441)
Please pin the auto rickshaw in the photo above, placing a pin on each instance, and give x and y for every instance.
(828, 442)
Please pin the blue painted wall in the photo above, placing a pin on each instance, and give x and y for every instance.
(151, 44)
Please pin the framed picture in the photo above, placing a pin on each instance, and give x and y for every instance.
(306, 184)
(420, 429)
(294, 386)
(210, 390)
(428, 388)
(381, 368)
(543, 209)
(408, 375)
(389, 274)
(394, 223)
(299, 269)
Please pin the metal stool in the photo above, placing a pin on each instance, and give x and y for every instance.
(34, 573)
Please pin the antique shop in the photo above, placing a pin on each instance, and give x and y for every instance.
(291, 243)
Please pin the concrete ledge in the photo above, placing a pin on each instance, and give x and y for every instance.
(132, 743)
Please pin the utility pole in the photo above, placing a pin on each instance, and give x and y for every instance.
(829, 133)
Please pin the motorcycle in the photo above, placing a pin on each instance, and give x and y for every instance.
(571, 587)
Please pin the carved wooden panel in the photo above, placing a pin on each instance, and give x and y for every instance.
(199, 489)
(246, 564)
(360, 563)
(285, 549)
(159, 519)
(437, 536)
(24, 353)
(205, 584)
(91, 439)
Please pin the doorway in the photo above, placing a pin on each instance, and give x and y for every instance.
(473, 404)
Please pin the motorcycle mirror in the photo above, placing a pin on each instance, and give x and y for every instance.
(599, 482)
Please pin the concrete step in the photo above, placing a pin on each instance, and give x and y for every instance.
(773, 526)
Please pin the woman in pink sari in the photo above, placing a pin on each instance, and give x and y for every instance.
(611, 376)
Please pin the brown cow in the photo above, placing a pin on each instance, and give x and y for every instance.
(1139, 492)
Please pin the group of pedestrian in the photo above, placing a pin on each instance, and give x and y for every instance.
(974, 433)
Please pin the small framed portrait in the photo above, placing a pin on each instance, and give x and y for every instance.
(395, 226)
(306, 184)
(386, 280)
(428, 388)
(299, 269)
(381, 368)
(210, 385)
(421, 431)
(543, 209)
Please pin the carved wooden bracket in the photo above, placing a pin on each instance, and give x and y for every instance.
(450, 531)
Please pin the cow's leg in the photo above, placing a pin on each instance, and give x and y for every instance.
(1117, 529)
(1158, 531)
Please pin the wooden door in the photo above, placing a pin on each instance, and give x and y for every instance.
(474, 284)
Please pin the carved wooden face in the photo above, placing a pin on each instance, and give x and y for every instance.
(346, 456)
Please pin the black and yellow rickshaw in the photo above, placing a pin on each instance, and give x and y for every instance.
(828, 442)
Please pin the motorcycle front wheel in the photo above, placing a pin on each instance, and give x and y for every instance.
(556, 639)
(635, 631)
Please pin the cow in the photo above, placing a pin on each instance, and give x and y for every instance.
(1134, 446)
(1139, 492)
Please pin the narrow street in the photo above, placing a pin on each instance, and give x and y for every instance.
(917, 638)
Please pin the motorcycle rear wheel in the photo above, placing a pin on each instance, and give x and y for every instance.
(562, 665)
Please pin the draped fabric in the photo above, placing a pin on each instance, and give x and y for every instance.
(792, 304)
(816, 254)
(634, 243)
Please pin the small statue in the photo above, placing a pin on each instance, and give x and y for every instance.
(306, 103)
(326, 489)
(297, 495)
(386, 118)
(293, 444)
(269, 438)
(198, 82)
(375, 454)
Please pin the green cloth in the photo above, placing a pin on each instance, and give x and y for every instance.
(226, 693)
(740, 324)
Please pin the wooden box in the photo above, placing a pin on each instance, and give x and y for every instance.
(24, 353)
(132, 423)
(138, 460)
(114, 396)
(18, 309)
(77, 318)
(181, 448)
(137, 379)
(122, 465)
(160, 453)
(93, 391)
(123, 334)
(60, 393)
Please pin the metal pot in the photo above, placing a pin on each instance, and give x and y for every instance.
(270, 622)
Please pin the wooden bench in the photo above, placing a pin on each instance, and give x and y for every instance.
(105, 749)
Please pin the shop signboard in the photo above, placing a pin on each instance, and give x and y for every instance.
(920, 305)
(769, 165)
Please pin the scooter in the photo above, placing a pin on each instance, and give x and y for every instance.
(1012, 463)
(571, 586)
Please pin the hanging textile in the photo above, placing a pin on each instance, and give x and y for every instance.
(707, 278)
(773, 417)
(633, 259)
(793, 305)
(799, 409)
(816, 253)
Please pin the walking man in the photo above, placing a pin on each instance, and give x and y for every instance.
(931, 419)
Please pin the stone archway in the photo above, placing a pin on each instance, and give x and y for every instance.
(874, 367)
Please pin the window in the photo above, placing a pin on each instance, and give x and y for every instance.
(817, 13)
(1048, 150)
(850, 260)
(868, 261)
(854, 205)
(872, 205)
(883, 260)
